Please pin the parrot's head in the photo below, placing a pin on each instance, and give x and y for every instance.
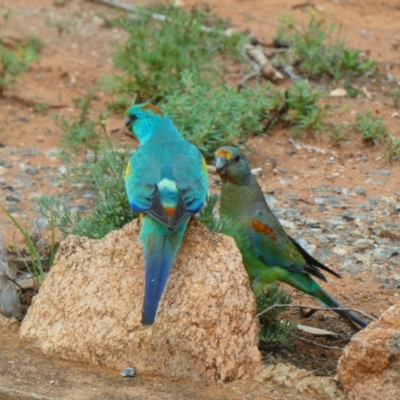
(232, 165)
(142, 119)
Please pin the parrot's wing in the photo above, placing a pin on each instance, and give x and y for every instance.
(192, 183)
(141, 187)
(275, 248)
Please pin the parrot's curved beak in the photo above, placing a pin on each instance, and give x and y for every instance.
(220, 164)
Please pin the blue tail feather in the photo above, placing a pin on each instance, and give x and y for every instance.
(160, 253)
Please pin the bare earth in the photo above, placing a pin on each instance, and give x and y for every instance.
(70, 65)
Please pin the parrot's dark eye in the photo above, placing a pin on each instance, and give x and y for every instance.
(129, 119)
(237, 158)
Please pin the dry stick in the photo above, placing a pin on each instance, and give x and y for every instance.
(156, 16)
(314, 308)
(316, 343)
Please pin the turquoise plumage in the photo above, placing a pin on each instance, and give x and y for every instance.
(268, 253)
(166, 182)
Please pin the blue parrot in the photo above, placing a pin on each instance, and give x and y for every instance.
(166, 182)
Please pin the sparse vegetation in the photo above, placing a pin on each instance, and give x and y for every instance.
(395, 95)
(273, 331)
(61, 25)
(81, 132)
(16, 61)
(41, 108)
(111, 209)
(314, 50)
(336, 133)
(303, 114)
(157, 54)
(392, 146)
(372, 129)
(38, 269)
(231, 116)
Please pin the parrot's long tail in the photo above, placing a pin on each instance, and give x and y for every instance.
(160, 252)
(306, 284)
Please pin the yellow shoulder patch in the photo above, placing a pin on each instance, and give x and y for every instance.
(153, 108)
(205, 166)
(224, 153)
(128, 169)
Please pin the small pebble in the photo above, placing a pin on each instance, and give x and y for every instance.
(32, 170)
(5, 164)
(128, 372)
(31, 153)
(382, 172)
(12, 198)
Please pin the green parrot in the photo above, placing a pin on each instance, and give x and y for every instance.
(166, 182)
(269, 253)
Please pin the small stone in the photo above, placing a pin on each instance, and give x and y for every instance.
(14, 210)
(40, 223)
(32, 170)
(382, 172)
(23, 119)
(78, 208)
(348, 218)
(5, 164)
(128, 372)
(389, 77)
(374, 201)
(339, 92)
(271, 200)
(12, 198)
(31, 153)
(383, 254)
(319, 201)
(88, 196)
(376, 182)
(361, 191)
(62, 170)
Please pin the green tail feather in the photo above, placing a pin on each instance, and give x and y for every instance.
(304, 283)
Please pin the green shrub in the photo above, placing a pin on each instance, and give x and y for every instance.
(274, 331)
(15, 62)
(213, 117)
(157, 53)
(111, 209)
(372, 129)
(303, 110)
(314, 51)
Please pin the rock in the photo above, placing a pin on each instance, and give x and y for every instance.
(32, 170)
(89, 308)
(370, 365)
(339, 92)
(309, 385)
(12, 198)
(9, 295)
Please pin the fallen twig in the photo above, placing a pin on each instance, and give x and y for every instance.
(159, 17)
(314, 308)
(32, 103)
(316, 343)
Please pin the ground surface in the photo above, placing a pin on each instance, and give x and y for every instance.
(344, 201)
